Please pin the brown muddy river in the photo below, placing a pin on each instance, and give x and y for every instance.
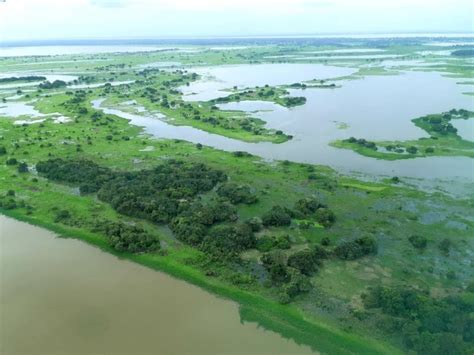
(62, 296)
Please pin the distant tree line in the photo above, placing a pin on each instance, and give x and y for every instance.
(22, 78)
(52, 85)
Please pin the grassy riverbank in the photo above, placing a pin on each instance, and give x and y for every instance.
(284, 319)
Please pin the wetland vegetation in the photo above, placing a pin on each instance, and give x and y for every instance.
(338, 263)
(443, 140)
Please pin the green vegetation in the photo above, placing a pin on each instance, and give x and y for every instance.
(428, 325)
(28, 78)
(443, 140)
(277, 95)
(57, 84)
(158, 92)
(321, 258)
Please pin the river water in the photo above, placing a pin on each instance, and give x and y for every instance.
(62, 296)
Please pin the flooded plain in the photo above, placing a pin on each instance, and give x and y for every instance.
(374, 108)
(62, 296)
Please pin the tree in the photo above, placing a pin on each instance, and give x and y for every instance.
(237, 193)
(277, 216)
(325, 217)
(305, 261)
(22, 167)
(351, 250)
(307, 206)
(275, 263)
(229, 239)
(418, 241)
(445, 246)
(255, 223)
(11, 161)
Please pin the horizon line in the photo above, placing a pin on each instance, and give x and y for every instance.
(328, 35)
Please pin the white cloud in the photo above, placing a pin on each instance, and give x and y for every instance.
(43, 19)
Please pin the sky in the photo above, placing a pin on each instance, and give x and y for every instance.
(83, 19)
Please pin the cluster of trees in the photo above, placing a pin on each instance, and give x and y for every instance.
(13, 79)
(166, 194)
(9, 202)
(428, 325)
(236, 193)
(129, 238)
(226, 241)
(88, 175)
(263, 93)
(418, 241)
(290, 101)
(395, 148)
(298, 85)
(292, 273)
(357, 248)
(52, 85)
(362, 142)
(159, 194)
(22, 167)
(304, 208)
(440, 123)
(465, 114)
(268, 242)
(277, 216)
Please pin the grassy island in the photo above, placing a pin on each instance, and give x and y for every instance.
(443, 141)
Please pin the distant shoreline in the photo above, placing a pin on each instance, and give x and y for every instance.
(227, 39)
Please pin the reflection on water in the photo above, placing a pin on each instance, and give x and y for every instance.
(250, 75)
(61, 296)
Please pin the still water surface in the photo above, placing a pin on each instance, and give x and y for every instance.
(375, 108)
(62, 296)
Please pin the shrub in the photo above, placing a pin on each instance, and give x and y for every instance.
(133, 239)
(277, 216)
(229, 240)
(255, 223)
(325, 217)
(445, 246)
(307, 206)
(12, 161)
(351, 250)
(62, 215)
(22, 167)
(305, 261)
(419, 242)
(237, 193)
